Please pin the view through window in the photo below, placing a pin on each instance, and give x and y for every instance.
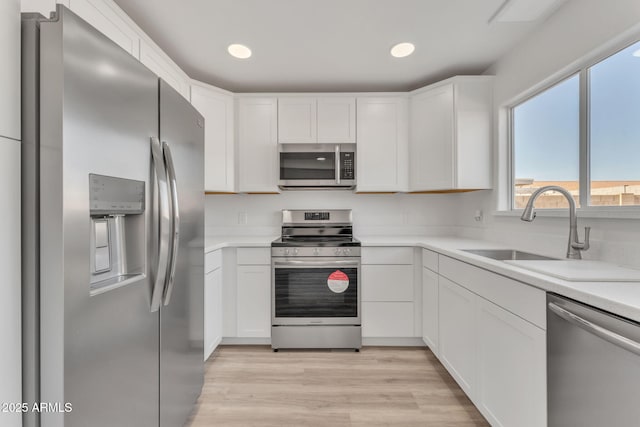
(546, 137)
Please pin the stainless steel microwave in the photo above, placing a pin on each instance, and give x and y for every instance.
(317, 166)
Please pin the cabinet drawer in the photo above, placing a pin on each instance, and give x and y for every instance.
(387, 319)
(387, 283)
(212, 261)
(430, 260)
(254, 256)
(517, 297)
(387, 255)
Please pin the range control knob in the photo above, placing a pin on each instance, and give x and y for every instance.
(338, 251)
(316, 251)
(346, 251)
(286, 251)
(295, 251)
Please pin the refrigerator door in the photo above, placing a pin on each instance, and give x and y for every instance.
(99, 339)
(182, 311)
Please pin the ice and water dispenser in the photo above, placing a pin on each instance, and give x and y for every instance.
(117, 240)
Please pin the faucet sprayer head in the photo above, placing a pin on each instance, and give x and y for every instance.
(528, 214)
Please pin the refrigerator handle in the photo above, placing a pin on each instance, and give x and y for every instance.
(164, 220)
(173, 187)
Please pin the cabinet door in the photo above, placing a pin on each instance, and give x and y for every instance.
(212, 311)
(217, 109)
(111, 21)
(257, 145)
(387, 319)
(297, 120)
(10, 69)
(382, 157)
(387, 283)
(336, 120)
(457, 333)
(512, 368)
(158, 62)
(430, 309)
(254, 301)
(432, 144)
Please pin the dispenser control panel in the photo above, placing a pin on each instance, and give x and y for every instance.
(115, 196)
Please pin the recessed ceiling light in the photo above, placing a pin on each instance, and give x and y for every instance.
(636, 53)
(402, 49)
(239, 51)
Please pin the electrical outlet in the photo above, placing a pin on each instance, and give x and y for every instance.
(242, 218)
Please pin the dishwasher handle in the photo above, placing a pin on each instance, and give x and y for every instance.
(599, 331)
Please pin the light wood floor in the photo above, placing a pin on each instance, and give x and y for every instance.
(380, 386)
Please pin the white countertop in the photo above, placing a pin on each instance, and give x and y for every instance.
(622, 298)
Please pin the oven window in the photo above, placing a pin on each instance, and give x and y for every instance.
(316, 292)
(312, 166)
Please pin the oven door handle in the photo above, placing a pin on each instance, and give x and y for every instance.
(302, 264)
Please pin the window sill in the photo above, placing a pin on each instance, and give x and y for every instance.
(631, 212)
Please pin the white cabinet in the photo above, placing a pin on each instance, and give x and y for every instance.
(389, 299)
(297, 120)
(387, 319)
(451, 135)
(430, 309)
(10, 330)
(212, 301)
(10, 69)
(160, 63)
(492, 340)
(253, 293)
(511, 367)
(111, 21)
(382, 158)
(217, 108)
(257, 145)
(336, 120)
(44, 7)
(317, 120)
(457, 334)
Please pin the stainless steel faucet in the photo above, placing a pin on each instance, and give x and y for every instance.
(574, 247)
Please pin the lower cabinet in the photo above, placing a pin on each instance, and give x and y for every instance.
(458, 334)
(430, 309)
(212, 311)
(387, 319)
(253, 295)
(212, 301)
(497, 357)
(511, 368)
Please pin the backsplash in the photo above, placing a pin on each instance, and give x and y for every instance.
(373, 214)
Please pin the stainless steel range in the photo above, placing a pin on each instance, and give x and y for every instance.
(315, 282)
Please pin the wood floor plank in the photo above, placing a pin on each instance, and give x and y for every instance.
(380, 386)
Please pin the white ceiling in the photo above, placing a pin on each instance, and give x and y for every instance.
(327, 45)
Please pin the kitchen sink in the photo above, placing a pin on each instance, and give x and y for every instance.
(509, 254)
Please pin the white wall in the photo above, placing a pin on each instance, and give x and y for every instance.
(579, 30)
(372, 213)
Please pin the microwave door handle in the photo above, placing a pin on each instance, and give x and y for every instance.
(337, 165)
(164, 225)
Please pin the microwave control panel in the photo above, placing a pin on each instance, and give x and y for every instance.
(347, 170)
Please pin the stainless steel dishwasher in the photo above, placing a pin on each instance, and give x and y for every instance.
(593, 366)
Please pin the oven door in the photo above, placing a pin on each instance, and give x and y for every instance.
(315, 291)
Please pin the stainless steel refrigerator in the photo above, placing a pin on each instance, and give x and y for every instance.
(113, 230)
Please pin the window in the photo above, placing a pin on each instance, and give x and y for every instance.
(596, 159)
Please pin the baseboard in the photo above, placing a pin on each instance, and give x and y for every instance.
(245, 341)
(394, 342)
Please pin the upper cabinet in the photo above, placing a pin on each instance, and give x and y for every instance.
(217, 108)
(111, 21)
(10, 69)
(316, 120)
(160, 63)
(382, 157)
(336, 120)
(451, 135)
(257, 145)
